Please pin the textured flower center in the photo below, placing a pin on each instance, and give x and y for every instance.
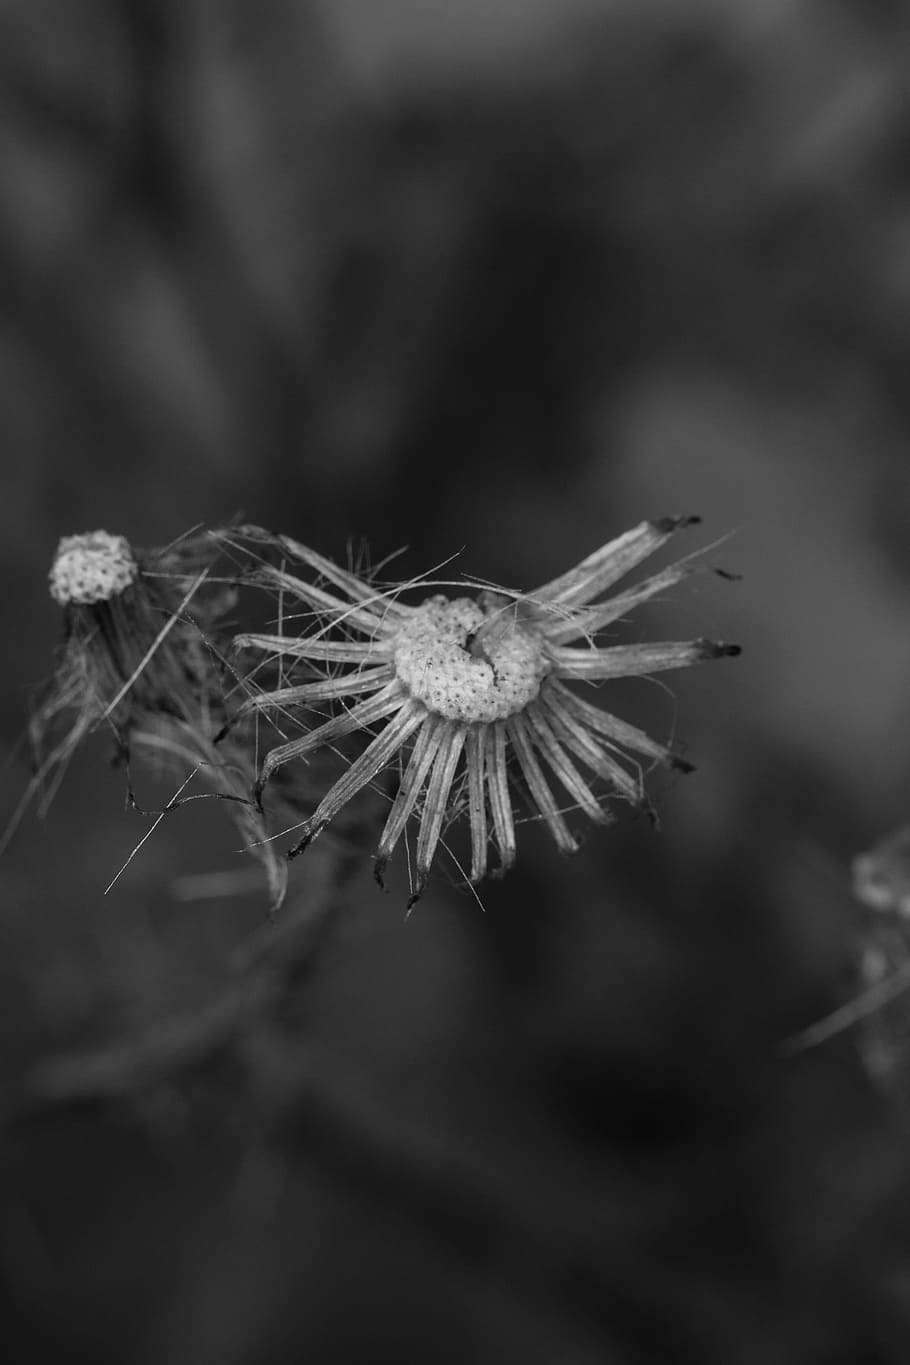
(470, 661)
(91, 568)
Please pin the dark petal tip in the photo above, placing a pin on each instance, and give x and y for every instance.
(681, 765)
(379, 868)
(716, 649)
(665, 525)
(729, 575)
(649, 811)
(303, 843)
(419, 888)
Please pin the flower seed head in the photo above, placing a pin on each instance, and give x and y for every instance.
(467, 661)
(141, 658)
(477, 699)
(91, 568)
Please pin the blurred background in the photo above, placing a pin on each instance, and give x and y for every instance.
(493, 280)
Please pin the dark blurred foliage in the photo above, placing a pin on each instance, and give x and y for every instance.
(379, 279)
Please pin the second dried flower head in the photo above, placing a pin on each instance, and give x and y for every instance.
(473, 695)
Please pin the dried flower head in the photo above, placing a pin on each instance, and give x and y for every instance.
(463, 686)
(140, 659)
(881, 884)
(878, 1009)
(91, 568)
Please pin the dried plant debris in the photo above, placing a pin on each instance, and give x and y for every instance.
(878, 1011)
(143, 658)
(881, 882)
(474, 697)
